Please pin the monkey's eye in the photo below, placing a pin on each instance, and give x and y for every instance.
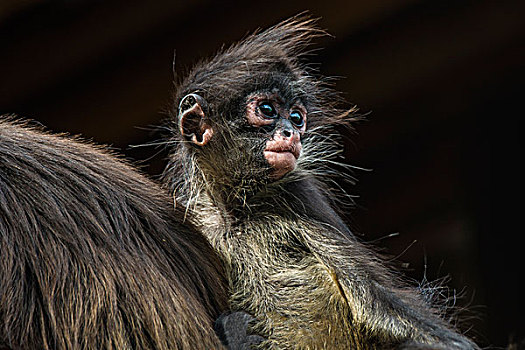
(297, 119)
(268, 110)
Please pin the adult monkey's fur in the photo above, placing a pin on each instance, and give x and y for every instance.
(92, 254)
(291, 260)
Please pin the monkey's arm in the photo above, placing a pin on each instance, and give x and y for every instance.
(378, 305)
(380, 308)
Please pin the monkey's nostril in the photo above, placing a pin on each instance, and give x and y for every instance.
(287, 133)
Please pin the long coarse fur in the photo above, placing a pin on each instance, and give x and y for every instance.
(291, 260)
(93, 255)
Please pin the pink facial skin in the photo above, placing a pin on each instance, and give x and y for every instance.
(282, 153)
(284, 147)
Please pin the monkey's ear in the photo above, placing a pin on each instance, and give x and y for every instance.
(192, 119)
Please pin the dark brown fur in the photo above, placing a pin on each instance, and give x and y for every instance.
(93, 255)
(291, 260)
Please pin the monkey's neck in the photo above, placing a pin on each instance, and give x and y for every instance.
(295, 200)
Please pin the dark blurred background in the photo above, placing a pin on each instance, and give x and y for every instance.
(442, 81)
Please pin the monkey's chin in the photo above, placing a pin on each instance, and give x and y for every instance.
(281, 163)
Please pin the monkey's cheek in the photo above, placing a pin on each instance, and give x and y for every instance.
(281, 163)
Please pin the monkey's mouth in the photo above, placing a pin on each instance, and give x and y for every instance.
(282, 161)
(282, 156)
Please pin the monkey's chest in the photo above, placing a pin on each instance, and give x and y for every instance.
(295, 297)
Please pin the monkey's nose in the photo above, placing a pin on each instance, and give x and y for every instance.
(285, 130)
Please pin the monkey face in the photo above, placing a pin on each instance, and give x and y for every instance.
(285, 124)
(278, 124)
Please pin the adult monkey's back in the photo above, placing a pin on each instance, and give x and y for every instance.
(93, 256)
(258, 131)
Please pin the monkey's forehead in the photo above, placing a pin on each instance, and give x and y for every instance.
(281, 95)
(241, 80)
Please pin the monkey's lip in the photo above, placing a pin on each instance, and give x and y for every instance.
(280, 154)
(282, 162)
(283, 149)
